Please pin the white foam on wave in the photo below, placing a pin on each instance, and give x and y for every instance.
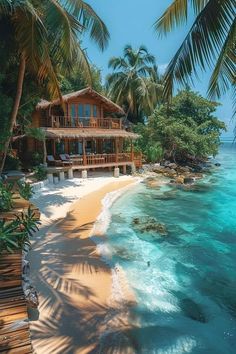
(120, 286)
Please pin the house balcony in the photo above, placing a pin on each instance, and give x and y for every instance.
(82, 122)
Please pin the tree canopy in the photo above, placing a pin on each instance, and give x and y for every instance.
(135, 83)
(186, 129)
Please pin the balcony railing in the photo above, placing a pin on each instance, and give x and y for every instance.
(84, 122)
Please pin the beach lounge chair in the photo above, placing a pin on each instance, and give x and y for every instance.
(51, 160)
(65, 159)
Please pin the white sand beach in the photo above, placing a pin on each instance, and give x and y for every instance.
(73, 282)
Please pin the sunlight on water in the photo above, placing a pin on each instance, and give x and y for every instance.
(184, 282)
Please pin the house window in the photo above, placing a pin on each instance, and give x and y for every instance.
(95, 110)
(73, 147)
(88, 146)
(107, 146)
(80, 147)
(60, 147)
(80, 110)
(87, 110)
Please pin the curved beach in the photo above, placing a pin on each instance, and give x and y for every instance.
(73, 281)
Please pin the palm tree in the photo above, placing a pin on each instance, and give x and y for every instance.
(210, 42)
(135, 83)
(45, 36)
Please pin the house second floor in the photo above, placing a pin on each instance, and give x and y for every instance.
(81, 109)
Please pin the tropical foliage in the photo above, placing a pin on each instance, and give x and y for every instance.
(210, 42)
(78, 79)
(135, 83)
(185, 130)
(15, 235)
(42, 38)
(6, 196)
(40, 172)
(25, 190)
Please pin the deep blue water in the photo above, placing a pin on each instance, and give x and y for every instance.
(186, 298)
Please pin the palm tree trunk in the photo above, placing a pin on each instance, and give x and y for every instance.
(15, 109)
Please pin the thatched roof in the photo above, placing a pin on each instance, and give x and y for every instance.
(75, 133)
(110, 106)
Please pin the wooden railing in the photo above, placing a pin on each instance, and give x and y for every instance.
(84, 122)
(100, 159)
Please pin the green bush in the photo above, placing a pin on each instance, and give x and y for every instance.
(25, 190)
(154, 153)
(15, 235)
(6, 196)
(12, 162)
(36, 158)
(40, 172)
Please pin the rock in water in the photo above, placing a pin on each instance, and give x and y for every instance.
(149, 224)
(188, 180)
(193, 310)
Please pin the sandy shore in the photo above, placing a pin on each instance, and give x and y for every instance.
(74, 284)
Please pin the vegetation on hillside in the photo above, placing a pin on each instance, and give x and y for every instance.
(185, 130)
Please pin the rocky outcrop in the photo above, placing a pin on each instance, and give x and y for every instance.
(149, 224)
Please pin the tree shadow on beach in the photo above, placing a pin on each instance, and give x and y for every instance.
(70, 316)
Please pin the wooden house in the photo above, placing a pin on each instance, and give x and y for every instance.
(89, 130)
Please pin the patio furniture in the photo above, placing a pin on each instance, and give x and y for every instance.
(93, 123)
(115, 125)
(51, 160)
(66, 159)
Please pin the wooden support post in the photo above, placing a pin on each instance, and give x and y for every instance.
(132, 151)
(84, 153)
(116, 149)
(116, 172)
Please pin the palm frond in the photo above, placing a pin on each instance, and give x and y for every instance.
(90, 21)
(202, 43)
(224, 74)
(116, 63)
(177, 14)
(5, 7)
(30, 33)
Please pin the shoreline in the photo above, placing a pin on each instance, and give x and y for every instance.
(94, 275)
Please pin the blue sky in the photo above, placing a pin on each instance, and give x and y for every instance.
(131, 22)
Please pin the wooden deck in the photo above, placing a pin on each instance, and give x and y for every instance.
(93, 161)
(14, 325)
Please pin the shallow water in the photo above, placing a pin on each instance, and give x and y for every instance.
(186, 297)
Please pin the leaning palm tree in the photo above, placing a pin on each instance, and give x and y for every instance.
(210, 42)
(45, 38)
(134, 83)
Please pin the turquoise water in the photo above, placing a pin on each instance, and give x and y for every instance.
(186, 298)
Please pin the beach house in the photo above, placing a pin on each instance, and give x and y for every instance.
(88, 131)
